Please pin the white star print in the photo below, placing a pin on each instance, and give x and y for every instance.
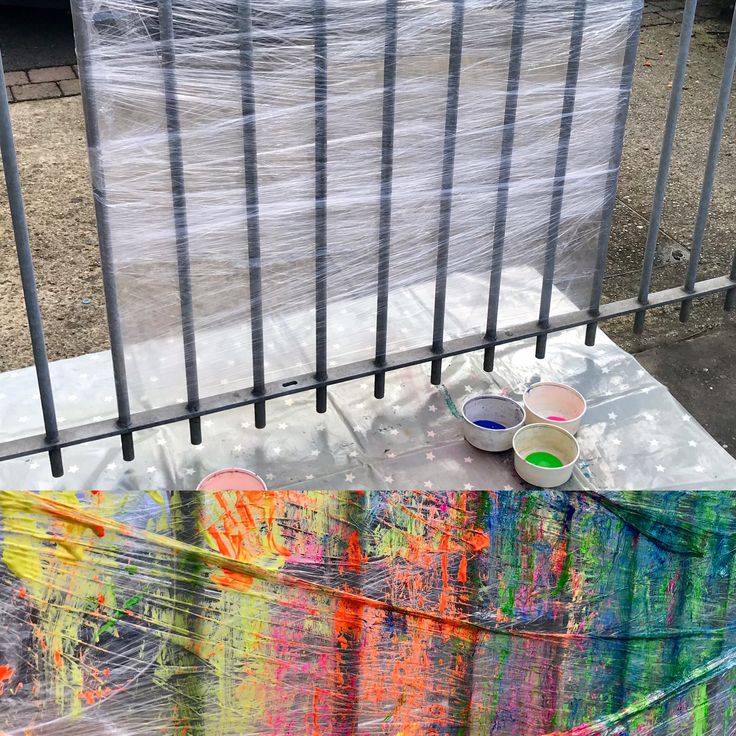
(605, 370)
(283, 425)
(208, 422)
(391, 455)
(613, 416)
(244, 425)
(289, 402)
(468, 389)
(111, 466)
(270, 476)
(653, 443)
(648, 417)
(621, 466)
(660, 468)
(508, 488)
(432, 408)
(431, 433)
(394, 432)
(151, 470)
(685, 417)
(315, 453)
(349, 477)
(616, 441)
(353, 454)
(468, 487)
(699, 469)
(388, 479)
(189, 471)
(430, 456)
(427, 484)
(107, 399)
(277, 450)
(161, 441)
(33, 465)
(468, 459)
(692, 443)
(310, 477)
(74, 469)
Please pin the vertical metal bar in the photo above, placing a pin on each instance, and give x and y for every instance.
(714, 151)
(104, 234)
(650, 252)
(176, 162)
(320, 198)
(558, 187)
(730, 301)
(252, 205)
(448, 172)
(504, 176)
(614, 165)
(387, 169)
(28, 277)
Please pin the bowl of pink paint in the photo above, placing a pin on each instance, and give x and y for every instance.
(232, 479)
(555, 403)
(545, 454)
(490, 421)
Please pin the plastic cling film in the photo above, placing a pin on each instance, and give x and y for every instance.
(449, 137)
(367, 613)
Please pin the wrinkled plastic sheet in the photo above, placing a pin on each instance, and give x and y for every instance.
(367, 613)
(181, 123)
(635, 435)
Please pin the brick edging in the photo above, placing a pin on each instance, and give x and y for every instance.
(44, 83)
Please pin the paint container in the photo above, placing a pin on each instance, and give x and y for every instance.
(556, 404)
(232, 479)
(537, 443)
(490, 422)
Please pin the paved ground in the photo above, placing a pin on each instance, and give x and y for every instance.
(696, 360)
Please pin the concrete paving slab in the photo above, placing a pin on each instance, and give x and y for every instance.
(701, 374)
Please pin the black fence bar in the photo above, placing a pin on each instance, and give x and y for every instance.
(448, 172)
(176, 161)
(670, 128)
(354, 371)
(714, 151)
(320, 195)
(558, 187)
(104, 234)
(245, 26)
(387, 171)
(28, 279)
(614, 164)
(504, 176)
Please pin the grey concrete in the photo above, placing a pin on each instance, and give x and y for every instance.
(701, 374)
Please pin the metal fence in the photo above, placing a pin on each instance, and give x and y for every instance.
(127, 423)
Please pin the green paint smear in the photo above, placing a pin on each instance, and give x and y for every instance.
(544, 460)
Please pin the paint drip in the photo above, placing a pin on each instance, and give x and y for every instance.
(488, 424)
(557, 419)
(544, 460)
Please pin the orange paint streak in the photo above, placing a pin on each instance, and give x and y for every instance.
(462, 571)
(6, 672)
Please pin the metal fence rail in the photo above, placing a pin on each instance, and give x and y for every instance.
(261, 392)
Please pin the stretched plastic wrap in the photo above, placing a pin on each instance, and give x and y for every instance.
(280, 167)
(376, 613)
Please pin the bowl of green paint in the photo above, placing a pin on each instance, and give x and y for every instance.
(490, 422)
(545, 454)
(556, 404)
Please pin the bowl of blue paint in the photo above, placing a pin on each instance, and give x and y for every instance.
(490, 421)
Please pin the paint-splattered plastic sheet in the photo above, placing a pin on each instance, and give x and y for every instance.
(367, 614)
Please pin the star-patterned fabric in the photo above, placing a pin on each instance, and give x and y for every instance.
(634, 435)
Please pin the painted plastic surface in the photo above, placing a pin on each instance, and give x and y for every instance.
(367, 614)
(122, 61)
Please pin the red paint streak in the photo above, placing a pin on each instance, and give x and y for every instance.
(356, 559)
(6, 672)
(462, 571)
